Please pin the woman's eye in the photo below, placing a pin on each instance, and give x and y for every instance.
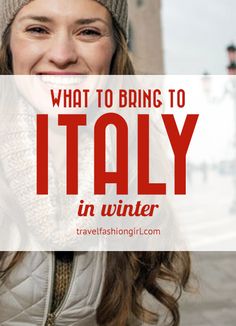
(90, 33)
(37, 30)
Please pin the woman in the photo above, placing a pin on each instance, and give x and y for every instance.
(69, 37)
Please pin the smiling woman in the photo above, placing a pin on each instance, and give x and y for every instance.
(73, 37)
(65, 37)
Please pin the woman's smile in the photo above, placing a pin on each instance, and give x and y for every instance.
(64, 80)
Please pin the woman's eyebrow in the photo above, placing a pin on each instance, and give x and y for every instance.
(42, 19)
(87, 21)
(81, 21)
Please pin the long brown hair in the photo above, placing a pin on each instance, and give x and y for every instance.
(128, 274)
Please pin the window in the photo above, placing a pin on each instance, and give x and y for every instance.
(139, 3)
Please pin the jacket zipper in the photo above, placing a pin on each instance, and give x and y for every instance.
(51, 317)
(50, 320)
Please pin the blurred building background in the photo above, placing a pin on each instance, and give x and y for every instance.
(145, 36)
(181, 36)
(189, 37)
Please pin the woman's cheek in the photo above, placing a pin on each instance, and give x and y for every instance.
(99, 57)
(25, 56)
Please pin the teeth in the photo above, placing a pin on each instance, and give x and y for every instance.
(60, 80)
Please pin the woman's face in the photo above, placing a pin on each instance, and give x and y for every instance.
(62, 37)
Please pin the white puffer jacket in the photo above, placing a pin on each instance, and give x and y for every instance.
(26, 293)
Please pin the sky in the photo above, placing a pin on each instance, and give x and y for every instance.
(196, 34)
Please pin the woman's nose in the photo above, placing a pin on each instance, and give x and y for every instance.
(63, 52)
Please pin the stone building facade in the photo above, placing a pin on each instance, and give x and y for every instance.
(146, 36)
